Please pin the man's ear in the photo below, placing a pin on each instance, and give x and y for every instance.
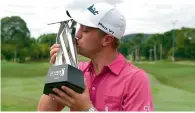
(107, 39)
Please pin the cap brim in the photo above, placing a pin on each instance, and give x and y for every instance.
(81, 18)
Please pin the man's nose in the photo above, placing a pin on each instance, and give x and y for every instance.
(78, 34)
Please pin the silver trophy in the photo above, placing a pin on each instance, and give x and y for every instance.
(65, 69)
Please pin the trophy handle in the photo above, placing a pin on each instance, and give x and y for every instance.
(72, 40)
(59, 59)
(73, 32)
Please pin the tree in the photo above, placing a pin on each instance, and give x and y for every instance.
(184, 43)
(49, 39)
(123, 48)
(44, 51)
(167, 43)
(23, 53)
(157, 41)
(137, 42)
(34, 49)
(14, 32)
(7, 51)
(14, 29)
(160, 41)
(151, 45)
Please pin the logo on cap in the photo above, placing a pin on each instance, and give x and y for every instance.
(93, 10)
(105, 28)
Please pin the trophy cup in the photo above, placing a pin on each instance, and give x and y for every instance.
(65, 71)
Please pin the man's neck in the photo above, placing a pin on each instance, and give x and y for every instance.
(102, 59)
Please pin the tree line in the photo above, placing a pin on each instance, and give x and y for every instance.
(160, 46)
(17, 44)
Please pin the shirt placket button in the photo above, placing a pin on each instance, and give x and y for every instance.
(93, 88)
(93, 93)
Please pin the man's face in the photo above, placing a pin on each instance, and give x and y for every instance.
(89, 41)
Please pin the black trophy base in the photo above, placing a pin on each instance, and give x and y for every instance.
(49, 87)
(64, 75)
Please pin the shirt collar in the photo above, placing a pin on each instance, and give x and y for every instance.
(88, 67)
(116, 66)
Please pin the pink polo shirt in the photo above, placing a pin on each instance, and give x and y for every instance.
(119, 87)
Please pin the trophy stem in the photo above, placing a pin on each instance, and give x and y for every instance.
(68, 44)
(58, 60)
(72, 45)
(67, 59)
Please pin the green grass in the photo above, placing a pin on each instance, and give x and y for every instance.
(172, 74)
(21, 94)
(173, 85)
(167, 98)
(22, 85)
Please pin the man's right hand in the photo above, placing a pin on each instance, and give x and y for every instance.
(53, 52)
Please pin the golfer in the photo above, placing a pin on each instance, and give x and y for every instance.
(111, 82)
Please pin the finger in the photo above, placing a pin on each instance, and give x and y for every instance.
(69, 91)
(86, 86)
(85, 82)
(53, 58)
(54, 50)
(59, 92)
(55, 46)
(60, 100)
(63, 95)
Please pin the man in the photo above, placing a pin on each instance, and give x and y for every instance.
(112, 83)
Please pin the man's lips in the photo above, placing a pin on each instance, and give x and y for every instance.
(76, 40)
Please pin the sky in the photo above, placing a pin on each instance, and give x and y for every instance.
(142, 16)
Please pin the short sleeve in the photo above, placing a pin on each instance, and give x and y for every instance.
(138, 96)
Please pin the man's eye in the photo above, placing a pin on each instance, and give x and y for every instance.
(85, 31)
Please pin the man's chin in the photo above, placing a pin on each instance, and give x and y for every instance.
(82, 54)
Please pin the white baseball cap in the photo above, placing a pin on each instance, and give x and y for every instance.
(103, 16)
